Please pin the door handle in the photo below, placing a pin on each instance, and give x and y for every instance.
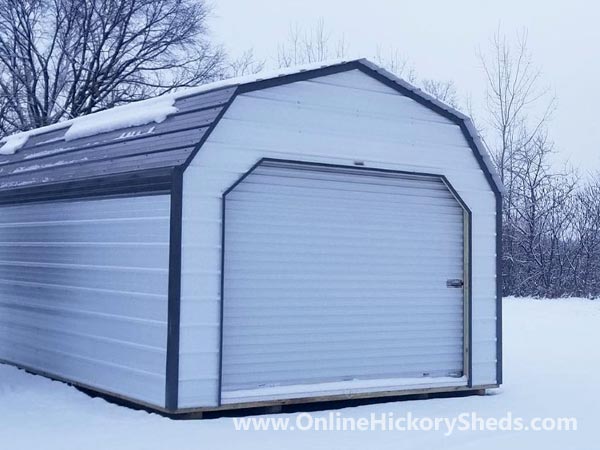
(454, 283)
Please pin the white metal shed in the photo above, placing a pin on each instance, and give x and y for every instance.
(325, 232)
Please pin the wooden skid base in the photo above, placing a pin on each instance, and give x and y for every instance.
(273, 406)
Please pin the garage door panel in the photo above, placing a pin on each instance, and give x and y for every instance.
(324, 303)
(374, 202)
(261, 334)
(248, 247)
(339, 275)
(333, 180)
(379, 197)
(306, 373)
(312, 212)
(347, 368)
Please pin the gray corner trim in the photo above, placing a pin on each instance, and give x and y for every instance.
(499, 293)
(174, 294)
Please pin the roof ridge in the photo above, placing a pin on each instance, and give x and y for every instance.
(16, 141)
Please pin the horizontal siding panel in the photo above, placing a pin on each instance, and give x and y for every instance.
(97, 210)
(119, 303)
(132, 356)
(350, 98)
(265, 139)
(115, 279)
(119, 329)
(197, 391)
(114, 255)
(205, 332)
(356, 80)
(83, 291)
(240, 156)
(189, 370)
(335, 120)
(109, 377)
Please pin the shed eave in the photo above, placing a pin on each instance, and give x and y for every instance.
(143, 182)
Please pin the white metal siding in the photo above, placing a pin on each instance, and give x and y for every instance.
(332, 119)
(334, 275)
(83, 291)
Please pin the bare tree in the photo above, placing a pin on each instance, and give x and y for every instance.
(309, 45)
(396, 63)
(586, 218)
(513, 95)
(245, 64)
(445, 91)
(539, 225)
(540, 248)
(65, 58)
(314, 44)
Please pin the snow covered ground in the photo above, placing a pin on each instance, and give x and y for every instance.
(552, 366)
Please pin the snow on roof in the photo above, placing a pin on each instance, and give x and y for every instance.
(143, 112)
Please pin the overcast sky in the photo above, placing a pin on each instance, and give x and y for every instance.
(441, 40)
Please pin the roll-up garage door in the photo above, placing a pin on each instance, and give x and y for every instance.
(340, 277)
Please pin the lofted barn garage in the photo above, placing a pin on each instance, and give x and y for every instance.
(322, 232)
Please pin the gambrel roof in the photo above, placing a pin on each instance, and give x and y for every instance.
(138, 146)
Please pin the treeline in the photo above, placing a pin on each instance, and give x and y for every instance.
(551, 215)
(551, 230)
